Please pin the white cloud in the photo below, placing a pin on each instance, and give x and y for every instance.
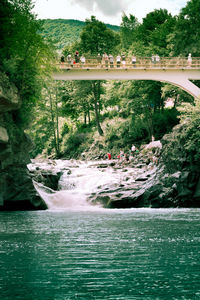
(109, 8)
(173, 6)
(108, 11)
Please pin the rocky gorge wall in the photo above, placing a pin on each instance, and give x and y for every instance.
(16, 187)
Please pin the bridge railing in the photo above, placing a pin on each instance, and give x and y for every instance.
(141, 63)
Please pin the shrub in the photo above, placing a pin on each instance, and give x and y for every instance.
(182, 146)
(163, 122)
(65, 129)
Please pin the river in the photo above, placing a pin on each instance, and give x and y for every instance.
(87, 252)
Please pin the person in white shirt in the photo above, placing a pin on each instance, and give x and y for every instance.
(118, 60)
(189, 60)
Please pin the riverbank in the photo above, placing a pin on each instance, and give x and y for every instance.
(142, 182)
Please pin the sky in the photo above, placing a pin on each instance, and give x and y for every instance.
(107, 11)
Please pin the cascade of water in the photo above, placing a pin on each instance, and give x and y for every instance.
(74, 187)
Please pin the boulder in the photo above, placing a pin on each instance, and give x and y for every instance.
(16, 188)
(154, 144)
(3, 136)
(9, 99)
(197, 190)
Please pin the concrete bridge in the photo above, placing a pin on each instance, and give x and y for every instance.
(176, 71)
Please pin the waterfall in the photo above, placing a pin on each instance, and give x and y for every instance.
(75, 186)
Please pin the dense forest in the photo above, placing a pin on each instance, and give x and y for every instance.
(65, 119)
(98, 116)
(64, 32)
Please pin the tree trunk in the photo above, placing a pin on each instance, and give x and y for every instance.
(176, 101)
(88, 113)
(53, 122)
(85, 118)
(96, 98)
(57, 128)
(149, 118)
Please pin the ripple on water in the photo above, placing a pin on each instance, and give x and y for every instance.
(100, 254)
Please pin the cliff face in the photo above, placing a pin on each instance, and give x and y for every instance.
(16, 188)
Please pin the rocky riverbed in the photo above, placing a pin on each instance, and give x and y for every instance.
(143, 182)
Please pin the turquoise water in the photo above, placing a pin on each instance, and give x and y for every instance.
(100, 254)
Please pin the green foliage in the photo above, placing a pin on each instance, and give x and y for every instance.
(24, 56)
(65, 129)
(65, 32)
(164, 121)
(132, 110)
(135, 131)
(74, 145)
(185, 38)
(62, 32)
(97, 38)
(182, 145)
(155, 28)
(128, 30)
(191, 130)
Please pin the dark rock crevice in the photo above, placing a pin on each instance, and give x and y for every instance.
(16, 188)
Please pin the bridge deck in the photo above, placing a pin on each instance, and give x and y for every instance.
(141, 63)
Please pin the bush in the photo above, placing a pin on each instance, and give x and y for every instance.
(182, 146)
(134, 131)
(163, 122)
(65, 129)
(74, 145)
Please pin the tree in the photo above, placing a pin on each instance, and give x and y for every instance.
(86, 98)
(24, 55)
(97, 38)
(128, 30)
(154, 30)
(76, 101)
(185, 38)
(96, 86)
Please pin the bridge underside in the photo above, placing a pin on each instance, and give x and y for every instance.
(177, 77)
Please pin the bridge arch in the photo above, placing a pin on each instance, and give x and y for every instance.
(169, 71)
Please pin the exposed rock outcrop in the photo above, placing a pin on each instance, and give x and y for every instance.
(166, 180)
(9, 99)
(145, 181)
(16, 187)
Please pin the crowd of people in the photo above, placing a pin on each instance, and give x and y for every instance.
(108, 60)
(124, 156)
(105, 59)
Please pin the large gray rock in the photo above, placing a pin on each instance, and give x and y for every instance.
(3, 135)
(16, 188)
(9, 99)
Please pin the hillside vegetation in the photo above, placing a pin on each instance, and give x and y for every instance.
(72, 117)
(64, 32)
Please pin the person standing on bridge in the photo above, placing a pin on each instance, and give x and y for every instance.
(118, 60)
(157, 58)
(111, 60)
(123, 60)
(69, 60)
(82, 59)
(99, 59)
(76, 57)
(62, 60)
(105, 58)
(134, 61)
(189, 60)
(153, 59)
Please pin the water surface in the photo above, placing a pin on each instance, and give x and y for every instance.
(100, 254)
